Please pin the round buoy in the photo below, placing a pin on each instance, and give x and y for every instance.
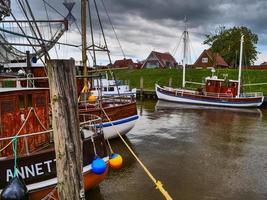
(98, 166)
(115, 161)
(92, 99)
(16, 189)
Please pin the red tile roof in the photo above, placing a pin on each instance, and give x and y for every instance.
(123, 63)
(164, 56)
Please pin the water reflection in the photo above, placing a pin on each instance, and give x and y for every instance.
(197, 152)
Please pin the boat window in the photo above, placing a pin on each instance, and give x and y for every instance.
(21, 101)
(29, 100)
(111, 89)
(7, 107)
(40, 101)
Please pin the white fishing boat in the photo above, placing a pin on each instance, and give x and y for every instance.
(112, 88)
(214, 92)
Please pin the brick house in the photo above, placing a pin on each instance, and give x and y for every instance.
(159, 60)
(209, 59)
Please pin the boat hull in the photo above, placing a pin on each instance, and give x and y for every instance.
(207, 100)
(38, 170)
(123, 126)
(123, 117)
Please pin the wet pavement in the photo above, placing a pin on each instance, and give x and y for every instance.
(196, 152)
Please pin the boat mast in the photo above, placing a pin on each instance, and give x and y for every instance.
(84, 55)
(185, 34)
(240, 65)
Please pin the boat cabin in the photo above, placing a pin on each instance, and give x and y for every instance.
(23, 111)
(213, 85)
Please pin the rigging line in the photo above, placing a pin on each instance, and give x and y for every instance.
(15, 19)
(34, 38)
(50, 28)
(54, 9)
(176, 48)
(23, 7)
(103, 34)
(113, 28)
(38, 30)
(92, 33)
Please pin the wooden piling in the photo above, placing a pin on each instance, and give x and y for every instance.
(67, 138)
(141, 87)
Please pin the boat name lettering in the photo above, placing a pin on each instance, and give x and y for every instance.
(37, 169)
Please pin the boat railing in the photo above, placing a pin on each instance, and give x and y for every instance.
(89, 122)
(252, 94)
(219, 95)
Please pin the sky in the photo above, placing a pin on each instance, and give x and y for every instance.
(144, 26)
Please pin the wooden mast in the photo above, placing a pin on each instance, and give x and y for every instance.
(84, 44)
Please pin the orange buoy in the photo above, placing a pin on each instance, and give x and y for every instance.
(92, 99)
(115, 161)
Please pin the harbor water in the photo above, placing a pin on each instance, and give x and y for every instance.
(196, 152)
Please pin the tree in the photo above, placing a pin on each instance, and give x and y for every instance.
(227, 43)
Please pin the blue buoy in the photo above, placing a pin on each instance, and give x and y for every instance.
(98, 166)
(34, 59)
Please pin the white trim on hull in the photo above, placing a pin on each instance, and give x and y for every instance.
(109, 128)
(239, 104)
(123, 126)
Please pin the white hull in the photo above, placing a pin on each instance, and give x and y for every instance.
(123, 126)
(110, 129)
(183, 99)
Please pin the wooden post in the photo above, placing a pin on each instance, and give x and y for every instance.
(141, 87)
(65, 122)
(170, 81)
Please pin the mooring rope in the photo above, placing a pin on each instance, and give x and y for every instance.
(158, 184)
(24, 123)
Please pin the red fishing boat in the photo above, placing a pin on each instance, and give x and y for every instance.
(25, 116)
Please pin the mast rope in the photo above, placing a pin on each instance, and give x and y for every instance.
(22, 126)
(50, 27)
(113, 28)
(157, 183)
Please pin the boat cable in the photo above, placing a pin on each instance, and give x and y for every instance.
(22, 126)
(24, 123)
(113, 28)
(158, 183)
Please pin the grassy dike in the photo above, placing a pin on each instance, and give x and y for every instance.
(161, 76)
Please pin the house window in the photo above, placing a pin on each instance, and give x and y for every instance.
(205, 60)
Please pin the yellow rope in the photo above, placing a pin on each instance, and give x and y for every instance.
(158, 184)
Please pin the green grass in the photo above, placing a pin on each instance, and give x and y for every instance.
(161, 76)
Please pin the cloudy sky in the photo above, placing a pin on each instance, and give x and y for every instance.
(143, 26)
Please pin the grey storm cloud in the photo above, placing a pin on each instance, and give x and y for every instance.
(156, 24)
